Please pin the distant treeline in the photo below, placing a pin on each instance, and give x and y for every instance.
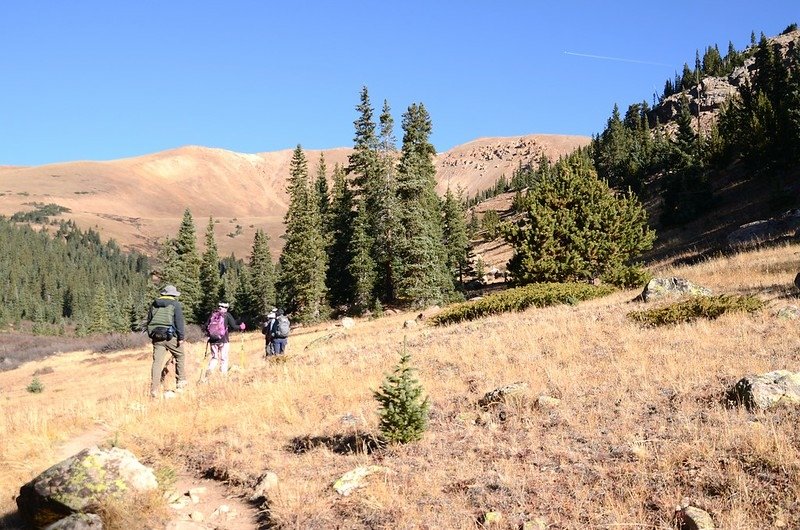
(68, 280)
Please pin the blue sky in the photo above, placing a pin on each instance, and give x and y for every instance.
(99, 80)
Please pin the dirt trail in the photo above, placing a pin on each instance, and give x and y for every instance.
(196, 503)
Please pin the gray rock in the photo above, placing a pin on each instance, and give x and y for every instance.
(790, 312)
(766, 391)
(410, 324)
(766, 230)
(348, 323)
(267, 483)
(693, 518)
(504, 394)
(78, 521)
(79, 483)
(660, 288)
(356, 479)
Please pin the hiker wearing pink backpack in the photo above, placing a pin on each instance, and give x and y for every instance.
(217, 328)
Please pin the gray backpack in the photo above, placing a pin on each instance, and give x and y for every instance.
(280, 328)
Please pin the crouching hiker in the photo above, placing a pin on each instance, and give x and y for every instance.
(166, 328)
(279, 332)
(266, 329)
(217, 328)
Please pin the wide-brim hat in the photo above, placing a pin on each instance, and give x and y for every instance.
(223, 305)
(170, 290)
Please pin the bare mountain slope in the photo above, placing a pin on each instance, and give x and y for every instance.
(139, 201)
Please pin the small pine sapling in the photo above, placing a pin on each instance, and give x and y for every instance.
(402, 409)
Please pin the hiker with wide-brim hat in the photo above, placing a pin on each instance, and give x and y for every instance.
(166, 327)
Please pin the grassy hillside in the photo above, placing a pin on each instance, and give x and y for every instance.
(640, 424)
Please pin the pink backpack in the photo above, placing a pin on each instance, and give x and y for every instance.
(217, 328)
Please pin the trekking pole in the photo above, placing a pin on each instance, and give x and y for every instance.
(241, 351)
(203, 363)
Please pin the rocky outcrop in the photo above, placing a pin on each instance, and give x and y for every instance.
(78, 521)
(80, 483)
(660, 288)
(786, 226)
(766, 391)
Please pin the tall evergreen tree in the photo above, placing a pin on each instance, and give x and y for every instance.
(384, 213)
(456, 241)
(423, 277)
(262, 277)
(340, 227)
(363, 164)
(321, 186)
(187, 268)
(210, 279)
(303, 261)
(362, 266)
(100, 317)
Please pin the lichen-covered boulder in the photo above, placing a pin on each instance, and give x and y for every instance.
(80, 483)
(780, 387)
(659, 288)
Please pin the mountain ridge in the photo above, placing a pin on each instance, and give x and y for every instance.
(139, 201)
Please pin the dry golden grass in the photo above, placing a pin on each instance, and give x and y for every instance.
(641, 423)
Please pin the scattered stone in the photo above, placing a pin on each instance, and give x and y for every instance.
(660, 288)
(693, 518)
(409, 324)
(547, 402)
(536, 524)
(197, 517)
(790, 312)
(80, 483)
(780, 387)
(78, 521)
(355, 479)
(492, 518)
(195, 494)
(504, 394)
(348, 323)
(267, 483)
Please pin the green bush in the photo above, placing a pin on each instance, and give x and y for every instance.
(36, 386)
(521, 298)
(709, 307)
(403, 411)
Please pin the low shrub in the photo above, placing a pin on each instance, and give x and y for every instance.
(123, 341)
(521, 298)
(35, 387)
(709, 307)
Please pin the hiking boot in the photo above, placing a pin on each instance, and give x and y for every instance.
(154, 395)
(181, 385)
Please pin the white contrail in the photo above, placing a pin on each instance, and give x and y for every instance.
(615, 59)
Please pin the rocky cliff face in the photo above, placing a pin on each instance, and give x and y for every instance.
(714, 91)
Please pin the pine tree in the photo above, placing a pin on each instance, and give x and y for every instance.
(456, 241)
(100, 319)
(186, 268)
(321, 186)
(210, 278)
(340, 228)
(403, 410)
(303, 261)
(423, 277)
(576, 228)
(262, 278)
(362, 266)
(383, 209)
(363, 165)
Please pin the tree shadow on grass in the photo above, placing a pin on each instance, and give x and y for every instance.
(343, 444)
